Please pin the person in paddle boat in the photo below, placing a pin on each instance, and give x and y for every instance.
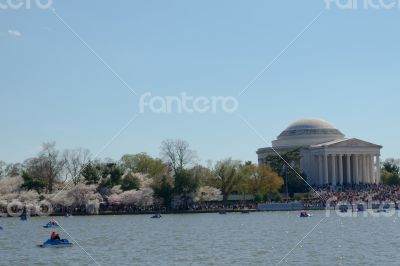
(304, 214)
(55, 236)
(52, 222)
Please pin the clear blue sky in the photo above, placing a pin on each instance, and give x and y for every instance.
(344, 69)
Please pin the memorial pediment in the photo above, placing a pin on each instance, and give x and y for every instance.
(351, 143)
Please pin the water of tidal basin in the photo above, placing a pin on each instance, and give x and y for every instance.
(206, 239)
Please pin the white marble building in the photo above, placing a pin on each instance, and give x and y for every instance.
(327, 157)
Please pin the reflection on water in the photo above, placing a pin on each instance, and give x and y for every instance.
(206, 239)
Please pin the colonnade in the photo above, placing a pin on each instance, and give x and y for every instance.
(333, 168)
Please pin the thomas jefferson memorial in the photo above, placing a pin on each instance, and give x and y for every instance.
(327, 157)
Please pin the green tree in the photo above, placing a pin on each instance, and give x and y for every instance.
(279, 164)
(228, 176)
(263, 180)
(277, 197)
(90, 173)
(30, 183)
(46, 167)
(185, 183)
(203, 174)
(143, 163)
(296, 183)
(164, 191)
(111, 174)
(258, 198)
(390, 173)
(390, 167)
(129, 182)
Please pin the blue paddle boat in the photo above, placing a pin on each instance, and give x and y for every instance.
(50, 225)
(56, 243)
(156, 216)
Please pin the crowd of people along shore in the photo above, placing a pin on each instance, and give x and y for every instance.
(200, 207)
(318, 197)
(354, 194)
(322, 197)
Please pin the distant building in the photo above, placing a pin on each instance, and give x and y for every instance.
(327, 157)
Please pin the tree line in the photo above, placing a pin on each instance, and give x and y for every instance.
(175, 176)
(390, 172)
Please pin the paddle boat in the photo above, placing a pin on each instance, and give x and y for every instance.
(51, 224)
(156, 216)
(56, 243)
(305, 214)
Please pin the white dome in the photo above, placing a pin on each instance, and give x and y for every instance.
(310, 123)
(306, 132)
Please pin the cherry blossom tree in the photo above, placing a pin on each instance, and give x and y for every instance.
(207, 193)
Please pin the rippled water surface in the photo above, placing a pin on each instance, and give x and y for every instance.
(206, 239)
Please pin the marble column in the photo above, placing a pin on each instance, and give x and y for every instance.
(326, 169)
(356, 177)
(340, 157)
(348, 166)
(378, 169)
(365, 169)
(333, 162)
(320, 175)
(371, 169)
(362, 169)
(361, 172)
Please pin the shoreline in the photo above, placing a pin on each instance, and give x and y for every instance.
(109, 213)
(264, 207)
